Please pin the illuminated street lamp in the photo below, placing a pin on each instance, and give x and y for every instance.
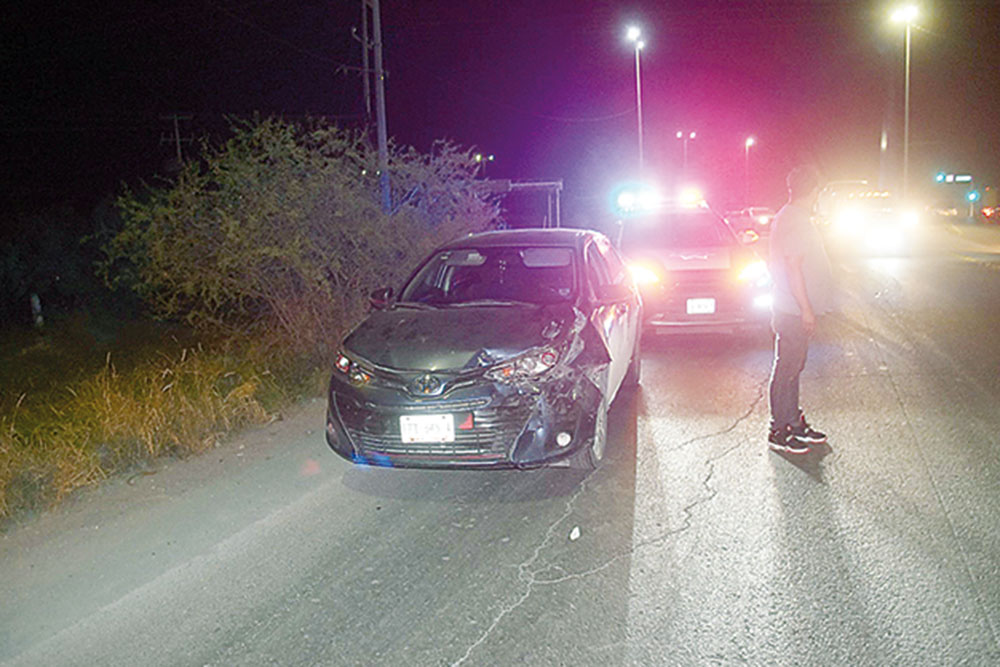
(482, 160)
(685, 137)
(746, 168)
(633, 35)
(972, 196)
(907, 15)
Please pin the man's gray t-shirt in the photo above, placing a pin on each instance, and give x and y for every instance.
(793, 233)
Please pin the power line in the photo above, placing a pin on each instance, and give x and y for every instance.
(276, 38)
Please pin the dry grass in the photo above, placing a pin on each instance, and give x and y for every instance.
(113, 421)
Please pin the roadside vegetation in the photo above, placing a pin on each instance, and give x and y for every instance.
(246, 269)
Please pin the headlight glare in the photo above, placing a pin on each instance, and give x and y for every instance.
(755, 273)
(643, 275)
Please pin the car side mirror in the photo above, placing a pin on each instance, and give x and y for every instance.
(380, 298)
(748, 237)
(613, 293)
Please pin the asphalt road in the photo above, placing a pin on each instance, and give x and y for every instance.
(692, 545)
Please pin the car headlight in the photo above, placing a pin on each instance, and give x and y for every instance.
(643, 275)
(529, 364)
(755, 273)
(355, 373)
(848, 221)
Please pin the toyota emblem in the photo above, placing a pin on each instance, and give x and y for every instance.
(426, 385)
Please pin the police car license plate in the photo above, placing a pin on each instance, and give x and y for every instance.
(700, 306)
(427, 428)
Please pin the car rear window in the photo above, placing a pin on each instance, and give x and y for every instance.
(536, 258)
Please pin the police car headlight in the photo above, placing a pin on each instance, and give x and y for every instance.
(755, 273)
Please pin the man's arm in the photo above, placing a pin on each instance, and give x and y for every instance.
(797, 283)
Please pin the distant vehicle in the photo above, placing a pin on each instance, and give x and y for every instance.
(503, 350)
(872, 223)
(836, 195)
(694, 272)
(756, 218)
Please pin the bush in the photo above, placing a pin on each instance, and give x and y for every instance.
(282, 227)
(274, 239)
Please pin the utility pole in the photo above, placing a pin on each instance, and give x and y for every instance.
(383, 139)
(176, 139)
(375, 44)
(366, 46)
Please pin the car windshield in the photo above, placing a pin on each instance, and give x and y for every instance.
(467, 275)
(691, 229)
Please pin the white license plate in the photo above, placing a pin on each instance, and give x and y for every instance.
(700, 306)
(427, 428)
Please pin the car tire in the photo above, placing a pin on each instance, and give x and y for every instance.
(590, 457)
(634, 373)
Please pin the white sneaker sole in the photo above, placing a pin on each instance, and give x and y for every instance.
(788, 450)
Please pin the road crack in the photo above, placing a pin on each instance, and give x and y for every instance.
(535, 578)
(526, 575)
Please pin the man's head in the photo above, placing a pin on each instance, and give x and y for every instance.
(803, 182)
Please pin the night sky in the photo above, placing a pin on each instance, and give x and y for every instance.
(548, 87)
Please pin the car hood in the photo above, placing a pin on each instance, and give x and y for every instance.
(692, 259)
(451, 338)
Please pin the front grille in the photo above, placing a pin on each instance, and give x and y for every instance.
(375, 429)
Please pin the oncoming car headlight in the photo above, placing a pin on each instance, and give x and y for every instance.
(355, 373)
(529, 364)
(849, 221)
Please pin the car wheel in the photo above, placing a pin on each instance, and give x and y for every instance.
(591, 455)
(634, 372)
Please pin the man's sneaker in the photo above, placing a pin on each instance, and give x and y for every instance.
(786, 440)
(807, 433)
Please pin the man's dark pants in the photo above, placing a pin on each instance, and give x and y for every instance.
(791, 345)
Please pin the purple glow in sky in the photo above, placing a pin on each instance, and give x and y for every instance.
(548, 88)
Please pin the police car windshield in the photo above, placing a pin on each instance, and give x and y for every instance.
(697, 228)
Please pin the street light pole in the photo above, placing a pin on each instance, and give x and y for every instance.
(684, 137)
(746, 169)
(907, 15)
(906, 117)
(633, 35)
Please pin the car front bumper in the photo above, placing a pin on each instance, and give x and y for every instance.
(497, 425)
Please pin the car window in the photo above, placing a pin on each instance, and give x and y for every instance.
(695, 229)
(532, 274)
(597, 268)
(616, 267)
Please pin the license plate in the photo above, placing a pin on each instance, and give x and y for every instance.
(427, 428)
(700, 306)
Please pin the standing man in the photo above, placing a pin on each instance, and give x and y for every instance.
(803, 290)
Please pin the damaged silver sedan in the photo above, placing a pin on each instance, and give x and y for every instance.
(503, 350)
